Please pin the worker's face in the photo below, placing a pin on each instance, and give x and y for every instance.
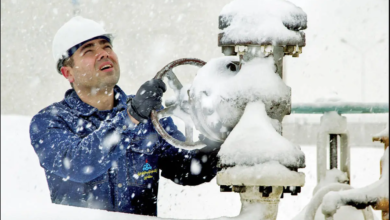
(95, 66)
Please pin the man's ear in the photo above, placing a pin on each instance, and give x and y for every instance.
(67, 73)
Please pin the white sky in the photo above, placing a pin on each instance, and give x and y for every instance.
(327, 64)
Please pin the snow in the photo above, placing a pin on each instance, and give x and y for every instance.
(313, 209)
(25, 195)
(196, 167)
(222, 93)
(254, 140)
(333, 123)
(368, 194)
(207, 83)
(110, 141)
(332, 176)
(268, 173)
(260, 21)
(256, 80)
(334, 180)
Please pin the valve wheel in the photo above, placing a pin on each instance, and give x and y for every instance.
(167, 71)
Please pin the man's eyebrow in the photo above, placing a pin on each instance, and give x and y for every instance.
(104, 41)
(85, 46)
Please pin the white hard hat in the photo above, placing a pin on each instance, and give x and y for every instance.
(77, 30)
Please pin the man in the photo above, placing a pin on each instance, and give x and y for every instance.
(98, 146)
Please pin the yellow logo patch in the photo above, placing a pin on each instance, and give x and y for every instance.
(147, 174)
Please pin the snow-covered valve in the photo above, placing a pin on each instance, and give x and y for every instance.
(255, 156)
(265, 27)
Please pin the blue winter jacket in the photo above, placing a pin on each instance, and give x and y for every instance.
(100, 159)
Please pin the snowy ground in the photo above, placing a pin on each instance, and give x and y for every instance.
(24, 192)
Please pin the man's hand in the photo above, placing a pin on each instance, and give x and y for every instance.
(148, 98)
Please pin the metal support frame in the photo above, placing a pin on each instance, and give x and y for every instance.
(278, 59)
(332, 126)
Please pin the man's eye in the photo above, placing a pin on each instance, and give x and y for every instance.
(108, 46)
(87, 51)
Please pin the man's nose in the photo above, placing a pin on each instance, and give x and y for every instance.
(102, 54)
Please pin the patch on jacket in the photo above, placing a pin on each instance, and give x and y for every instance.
(147, 171)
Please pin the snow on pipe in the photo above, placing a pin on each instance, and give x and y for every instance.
(332, 123)
(260, 28)
(259, 156)
(361, 197)
(265, 22)
(309, 212)
(255, 153)
(335, 175)
(255, 142)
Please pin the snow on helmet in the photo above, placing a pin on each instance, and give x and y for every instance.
(75, 32)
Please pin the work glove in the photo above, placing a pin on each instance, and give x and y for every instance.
(148, 98)
(211, 148)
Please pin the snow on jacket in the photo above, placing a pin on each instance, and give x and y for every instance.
(100, 159)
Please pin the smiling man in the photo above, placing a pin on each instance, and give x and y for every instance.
(98, 146)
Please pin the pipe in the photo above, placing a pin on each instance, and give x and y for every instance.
(309, 212)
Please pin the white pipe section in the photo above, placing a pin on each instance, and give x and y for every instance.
(309, 212)
(332, 123)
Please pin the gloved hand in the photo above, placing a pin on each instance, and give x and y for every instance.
(148, 98)
(212, 147)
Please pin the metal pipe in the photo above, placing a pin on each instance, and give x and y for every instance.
(333, 150)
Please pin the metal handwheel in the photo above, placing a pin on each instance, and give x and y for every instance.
(176, 106)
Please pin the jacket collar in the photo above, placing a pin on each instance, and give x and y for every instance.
(81, 108)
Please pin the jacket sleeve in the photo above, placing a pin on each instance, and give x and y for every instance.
(185, 167)
(69, 156)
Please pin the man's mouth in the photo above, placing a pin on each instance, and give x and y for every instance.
(106, 67)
